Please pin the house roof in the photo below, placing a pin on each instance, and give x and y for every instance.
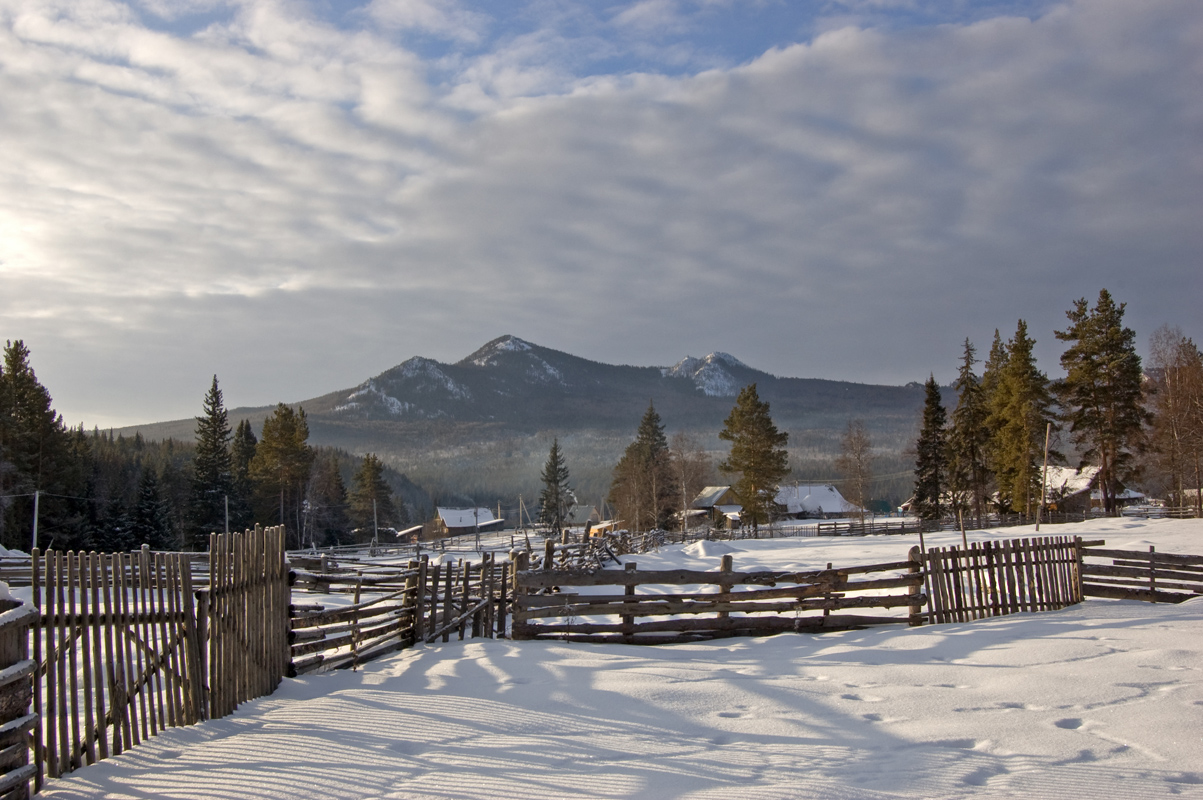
(467, 517)
(1066, 481)
(812, 498)
(710, 497)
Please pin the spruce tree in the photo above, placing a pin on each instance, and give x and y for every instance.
(212, 481)
(36, 454)
(242, 489)
(1021, 405)
(758, 455)
(1102, 391)
(369, 486)
(931, 457)
(968, 440)
(150, 522)
(641, 488)
(556, 499)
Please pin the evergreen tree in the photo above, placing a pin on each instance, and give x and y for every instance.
(369, 486)
(855, 463)
(114, 532)
(242, 489)
(642, 485)
(150, 522)
(931, 467)
(969, 440)
(556, 499)
(1020, 408)
(1102, 391)
(36, 454)
(212, 480)
(757, 454)
(280, 470)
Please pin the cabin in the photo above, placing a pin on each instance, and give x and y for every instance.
(813, 501)
(721, 506)
(458, 521)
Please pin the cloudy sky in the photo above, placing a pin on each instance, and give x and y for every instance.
(298, 195)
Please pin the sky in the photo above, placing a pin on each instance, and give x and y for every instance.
(296, 196)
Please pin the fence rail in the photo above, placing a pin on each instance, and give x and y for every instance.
(732, 608)
(1138, 575)
(421, 602)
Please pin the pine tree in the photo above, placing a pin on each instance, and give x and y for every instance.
(1102, 390)
(280, 470)
(556, 499)
(758, 454)
(369, 486)
(1020, 408)
(968, 441)
(641, 489)
(114, 532)
(931, 459)
(212, 480)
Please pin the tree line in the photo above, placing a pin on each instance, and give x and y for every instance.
(97, 491)
(1131, 423)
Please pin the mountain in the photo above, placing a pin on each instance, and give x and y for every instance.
(521, 385)
(481, 427)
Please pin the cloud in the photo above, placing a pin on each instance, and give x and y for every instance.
(279, 196)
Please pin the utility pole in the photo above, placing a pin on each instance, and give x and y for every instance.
(37, 493)
(1048, 430)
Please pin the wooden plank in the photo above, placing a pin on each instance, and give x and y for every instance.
(86, 632)
(100, 731)
(1142, 556)
(660, 605)
(1122, 593)
(35, 581)
(546, 580)
(62, 705)
(1141, 574)
(448, 591)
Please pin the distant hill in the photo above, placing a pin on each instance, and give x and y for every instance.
(482, 425)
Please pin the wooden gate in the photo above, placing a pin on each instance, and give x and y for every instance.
(127, 646)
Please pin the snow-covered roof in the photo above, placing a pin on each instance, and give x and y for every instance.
(812, 498)
(467, 517)
(1067, 481)
(709, 497)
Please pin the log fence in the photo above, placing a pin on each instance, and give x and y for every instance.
(708, 604)
(422, 602)
(1139, 575)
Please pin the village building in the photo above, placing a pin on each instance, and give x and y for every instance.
(813, 501)
(458, 521)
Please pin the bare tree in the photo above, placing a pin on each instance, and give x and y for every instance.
(855, 463)
(1176, 399)
(692, 469)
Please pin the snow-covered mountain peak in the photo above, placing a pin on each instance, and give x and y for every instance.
(487, 355)
(709, 374)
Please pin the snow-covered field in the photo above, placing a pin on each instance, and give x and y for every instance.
(1103, 700)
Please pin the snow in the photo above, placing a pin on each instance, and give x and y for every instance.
(708, 374)
(466, 517)
(1099, 700)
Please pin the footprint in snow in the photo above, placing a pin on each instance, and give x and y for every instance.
(1070, 724)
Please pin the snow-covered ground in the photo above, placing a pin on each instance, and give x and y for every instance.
(1103, 700)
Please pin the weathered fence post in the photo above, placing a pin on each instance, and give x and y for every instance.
(726, 565)
(628, 620)
(17, 673)
(915, 556)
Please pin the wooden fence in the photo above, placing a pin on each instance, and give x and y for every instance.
(1002, 577)
(1137, 575)
(741, 603)
(16, 694)
(421, 602)
(125, 647)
